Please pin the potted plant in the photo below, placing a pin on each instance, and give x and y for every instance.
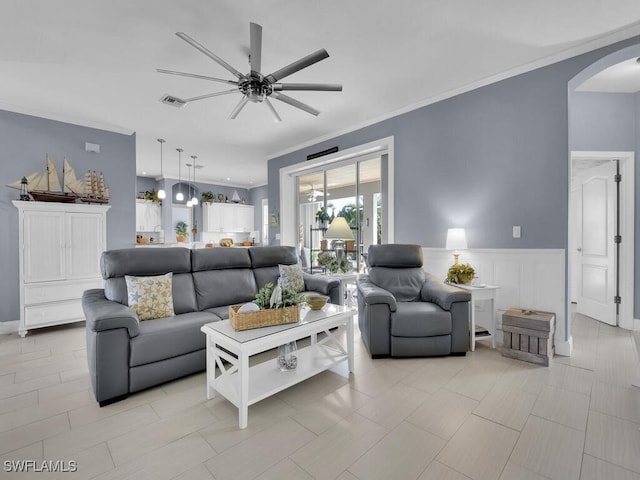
(322, 216)
(181, 231)
(460, 273)
(208, 197)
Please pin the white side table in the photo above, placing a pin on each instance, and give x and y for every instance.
(345, 279)
(487, 292)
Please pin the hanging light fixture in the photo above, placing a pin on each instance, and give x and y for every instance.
(194, 199)
(189, 202)
(179, 195)
(161, 193)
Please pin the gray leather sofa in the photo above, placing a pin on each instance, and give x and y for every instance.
(126, 355)
(405, 312)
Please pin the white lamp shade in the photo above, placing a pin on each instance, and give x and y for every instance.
(189, 204)
(179, 196)
(456, 239)
(339, 230)
(162, 194)
(194, 200)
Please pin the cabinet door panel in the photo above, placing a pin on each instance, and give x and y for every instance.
(85, 239)
(44, 246)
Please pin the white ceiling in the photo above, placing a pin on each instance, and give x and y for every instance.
(93, 63)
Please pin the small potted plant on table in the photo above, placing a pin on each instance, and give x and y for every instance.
(181, 231)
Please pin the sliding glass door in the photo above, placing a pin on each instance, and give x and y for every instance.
(351, 189)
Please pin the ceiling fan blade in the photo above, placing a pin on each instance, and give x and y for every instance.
(297, 65)
(194, 75)
(310, 87)
(239, 107)
(255, 57)
(295, 103)
(276, 117)
(209, 95)
(209, 54)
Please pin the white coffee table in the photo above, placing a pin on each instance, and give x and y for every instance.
(243, 385)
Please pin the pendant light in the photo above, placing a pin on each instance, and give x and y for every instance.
(179, 195)
(189, 202)
(194, 199)
(161, 193)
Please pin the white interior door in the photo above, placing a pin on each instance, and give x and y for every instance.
(596, 246)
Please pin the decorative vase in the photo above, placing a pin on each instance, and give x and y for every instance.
(180, 238)
(287, 358)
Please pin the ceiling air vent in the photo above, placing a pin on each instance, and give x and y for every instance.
(173, 101)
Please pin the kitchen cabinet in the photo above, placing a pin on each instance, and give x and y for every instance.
(227, 217)
(148, 216)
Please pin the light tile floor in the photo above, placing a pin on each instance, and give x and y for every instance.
(481, 416)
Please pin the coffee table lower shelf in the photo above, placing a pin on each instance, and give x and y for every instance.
(267, 379)
(228, 353)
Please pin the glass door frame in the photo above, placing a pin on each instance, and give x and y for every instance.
(289, 185)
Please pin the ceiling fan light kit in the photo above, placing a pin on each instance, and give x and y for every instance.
(254, 86)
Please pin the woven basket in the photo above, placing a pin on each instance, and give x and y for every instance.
(263, 318)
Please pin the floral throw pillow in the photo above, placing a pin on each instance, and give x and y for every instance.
(150, 297)
(291, 276)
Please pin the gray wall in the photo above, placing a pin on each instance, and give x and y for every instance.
(603, 121)
(484, 160)
(256, 195)
(609, 122)
(25, 141)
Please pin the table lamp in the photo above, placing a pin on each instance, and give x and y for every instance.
(456, 240)
(340, 231)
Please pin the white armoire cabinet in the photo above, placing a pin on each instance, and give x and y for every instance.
(59, 251)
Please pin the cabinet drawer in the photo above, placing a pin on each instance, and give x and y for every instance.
(36, 293)
(53, 313)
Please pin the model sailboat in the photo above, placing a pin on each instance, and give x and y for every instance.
(45, 186)
(95, 190)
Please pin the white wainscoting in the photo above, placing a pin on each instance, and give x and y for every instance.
(531, 279)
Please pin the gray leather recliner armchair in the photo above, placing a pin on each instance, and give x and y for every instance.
(405, 312)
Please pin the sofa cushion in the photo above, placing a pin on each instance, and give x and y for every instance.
(144, 261)
(151, 297)
(164, 338)
(419, 319)
(291, 276)
(395, 255)
(274, 255)
(216, 288)
(404, 283)
(203, 259)
(222, 312)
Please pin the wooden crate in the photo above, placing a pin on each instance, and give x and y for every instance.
(528, 335)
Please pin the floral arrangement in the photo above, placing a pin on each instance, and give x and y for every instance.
(460, 273)
(208, 197)
(271, 296)
(326, 259)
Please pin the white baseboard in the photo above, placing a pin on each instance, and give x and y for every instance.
(9, 327)
(564, 348)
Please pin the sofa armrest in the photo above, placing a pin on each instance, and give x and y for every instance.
(372, 294)
(102, 314)
(443, 294)
(324, 285)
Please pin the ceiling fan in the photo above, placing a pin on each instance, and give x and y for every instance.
(313, 194)
(254, 86)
